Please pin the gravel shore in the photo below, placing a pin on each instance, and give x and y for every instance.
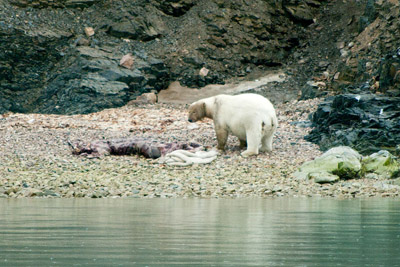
(36, 159)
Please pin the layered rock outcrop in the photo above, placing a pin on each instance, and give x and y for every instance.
(50, 64)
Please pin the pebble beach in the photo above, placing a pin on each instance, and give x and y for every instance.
(36, 159)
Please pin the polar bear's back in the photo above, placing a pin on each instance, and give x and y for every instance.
(241, 112)
(247, 102)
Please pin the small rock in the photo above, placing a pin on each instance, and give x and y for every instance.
(89, 31)
(193, 126)
(340, 45)
(323, 64)
(336, 77)
(32, 192)
(375, 86)
(82, 42)
(70, 193)
(323, 177)
(372, 176)
(126, 61)
(146, 98)
(396, 182)
(344, 53)
(48, 192)
(396, 78)
(203, 72)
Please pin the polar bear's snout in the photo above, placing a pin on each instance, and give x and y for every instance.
(191, 118)
(197, 112)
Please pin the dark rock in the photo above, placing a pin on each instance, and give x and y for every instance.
(193, 61)
(54, 3)
(89, 53)
(114, 73)
(25, 59)
(82, 41)
(99, 85)
(369, 16)
(367, 122)
(175, 8)
(309, 91)
(301, 13)
(93, 80)
(80, 3)
(135, 29)
(388, 67)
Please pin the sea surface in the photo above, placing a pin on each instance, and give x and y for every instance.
(200, 232)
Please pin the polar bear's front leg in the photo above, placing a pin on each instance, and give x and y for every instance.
(222, 137)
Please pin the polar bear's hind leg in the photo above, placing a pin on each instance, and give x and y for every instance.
(268, 130)
(266, 143)
(253, 137)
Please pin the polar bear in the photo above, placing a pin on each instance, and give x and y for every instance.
(250, 117)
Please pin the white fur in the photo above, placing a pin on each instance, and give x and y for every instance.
(250, 117)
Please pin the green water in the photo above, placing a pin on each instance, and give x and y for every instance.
(196, 232)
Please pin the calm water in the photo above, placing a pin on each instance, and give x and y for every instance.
(248, 232)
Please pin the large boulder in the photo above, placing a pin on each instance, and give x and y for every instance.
(383, 164)
(345, 163)
(337, 163)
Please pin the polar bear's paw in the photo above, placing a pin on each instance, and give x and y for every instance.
(265, 149)
(248, 153)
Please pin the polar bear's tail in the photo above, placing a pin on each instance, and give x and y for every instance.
(269, 125)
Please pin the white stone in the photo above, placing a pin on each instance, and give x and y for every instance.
(127, 61)
(89, 31)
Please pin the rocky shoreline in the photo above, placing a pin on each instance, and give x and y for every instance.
(36, 160)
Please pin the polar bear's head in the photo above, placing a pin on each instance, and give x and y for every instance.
(197, 111)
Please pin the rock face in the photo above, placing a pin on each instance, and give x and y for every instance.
(50, 63)
(366, 122)
(372, 59)
(94, 81)
(26, 59)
